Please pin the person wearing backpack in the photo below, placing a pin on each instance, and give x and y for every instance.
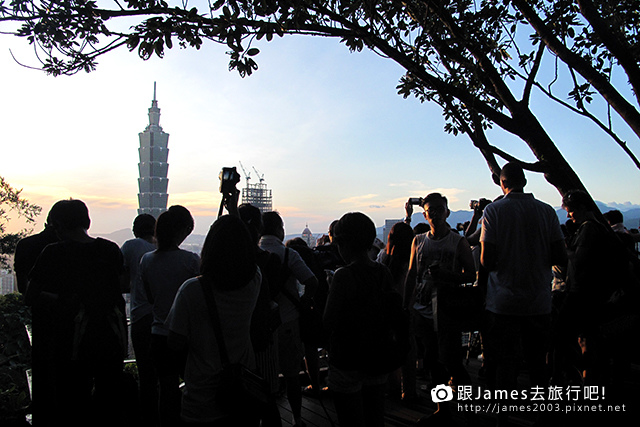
(74, 287)
(367, 326)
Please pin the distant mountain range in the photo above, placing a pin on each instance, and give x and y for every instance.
(631, 219)
(631, 215)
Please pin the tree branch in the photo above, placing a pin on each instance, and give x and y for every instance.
(615, 43)
(531, 78)
(627, 111)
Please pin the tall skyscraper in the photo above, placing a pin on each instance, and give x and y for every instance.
(153, 166)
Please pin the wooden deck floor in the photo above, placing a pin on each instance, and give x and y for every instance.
(316, 413)
(321, 412)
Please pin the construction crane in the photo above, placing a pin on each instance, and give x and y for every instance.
(260, 177)
(246, 175)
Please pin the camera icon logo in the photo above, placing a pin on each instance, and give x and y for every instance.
(441, 393)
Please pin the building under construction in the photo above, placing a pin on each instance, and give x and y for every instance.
(257, 195)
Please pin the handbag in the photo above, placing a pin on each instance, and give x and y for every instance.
(239, 388)
(376, 339)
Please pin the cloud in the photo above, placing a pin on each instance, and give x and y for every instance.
(46, 196)
(452, 194)
(358, 200)
(109, 203)
(295, 214)
(416, 184)
(199, 203)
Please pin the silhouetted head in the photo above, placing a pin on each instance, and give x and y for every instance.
(173, 226)
(70, 215)
(614, 217)
(436, 209)
(354, 231)
(399, 239)
(54, 212)
(183, 216)
(331, 227)
(576, 199)
(144, 225)
(578, 205)
(398, 248)
(252, 217)
(512, 177)
(297, 242)
(420, 228)
(272, 224)
(228, 255)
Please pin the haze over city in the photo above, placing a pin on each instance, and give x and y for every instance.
(324, 127)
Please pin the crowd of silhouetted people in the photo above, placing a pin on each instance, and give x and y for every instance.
(559, 299)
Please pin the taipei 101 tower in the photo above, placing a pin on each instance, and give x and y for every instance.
(153, 166)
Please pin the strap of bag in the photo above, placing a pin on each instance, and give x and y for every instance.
(215, 319)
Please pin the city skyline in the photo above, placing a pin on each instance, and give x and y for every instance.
(325, 128)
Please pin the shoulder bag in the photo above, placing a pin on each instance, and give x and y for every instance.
(239, 389)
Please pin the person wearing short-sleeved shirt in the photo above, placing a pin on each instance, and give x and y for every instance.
(520, 241)
(290, 351)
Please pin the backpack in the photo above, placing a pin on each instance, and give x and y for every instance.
(376, 339)
(95, 304)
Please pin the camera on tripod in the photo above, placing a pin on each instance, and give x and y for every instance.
(229, 178)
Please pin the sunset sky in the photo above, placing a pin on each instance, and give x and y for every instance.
(324, 126)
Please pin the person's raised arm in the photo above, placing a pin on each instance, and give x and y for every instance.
(473, 224)
(408, 210)
(231, 202)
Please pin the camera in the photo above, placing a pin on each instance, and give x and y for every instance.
(441, 393)
(229, 178)
(479, 204)
(416, 201)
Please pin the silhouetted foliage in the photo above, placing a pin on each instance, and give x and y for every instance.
(12, 201)
(479, 60)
